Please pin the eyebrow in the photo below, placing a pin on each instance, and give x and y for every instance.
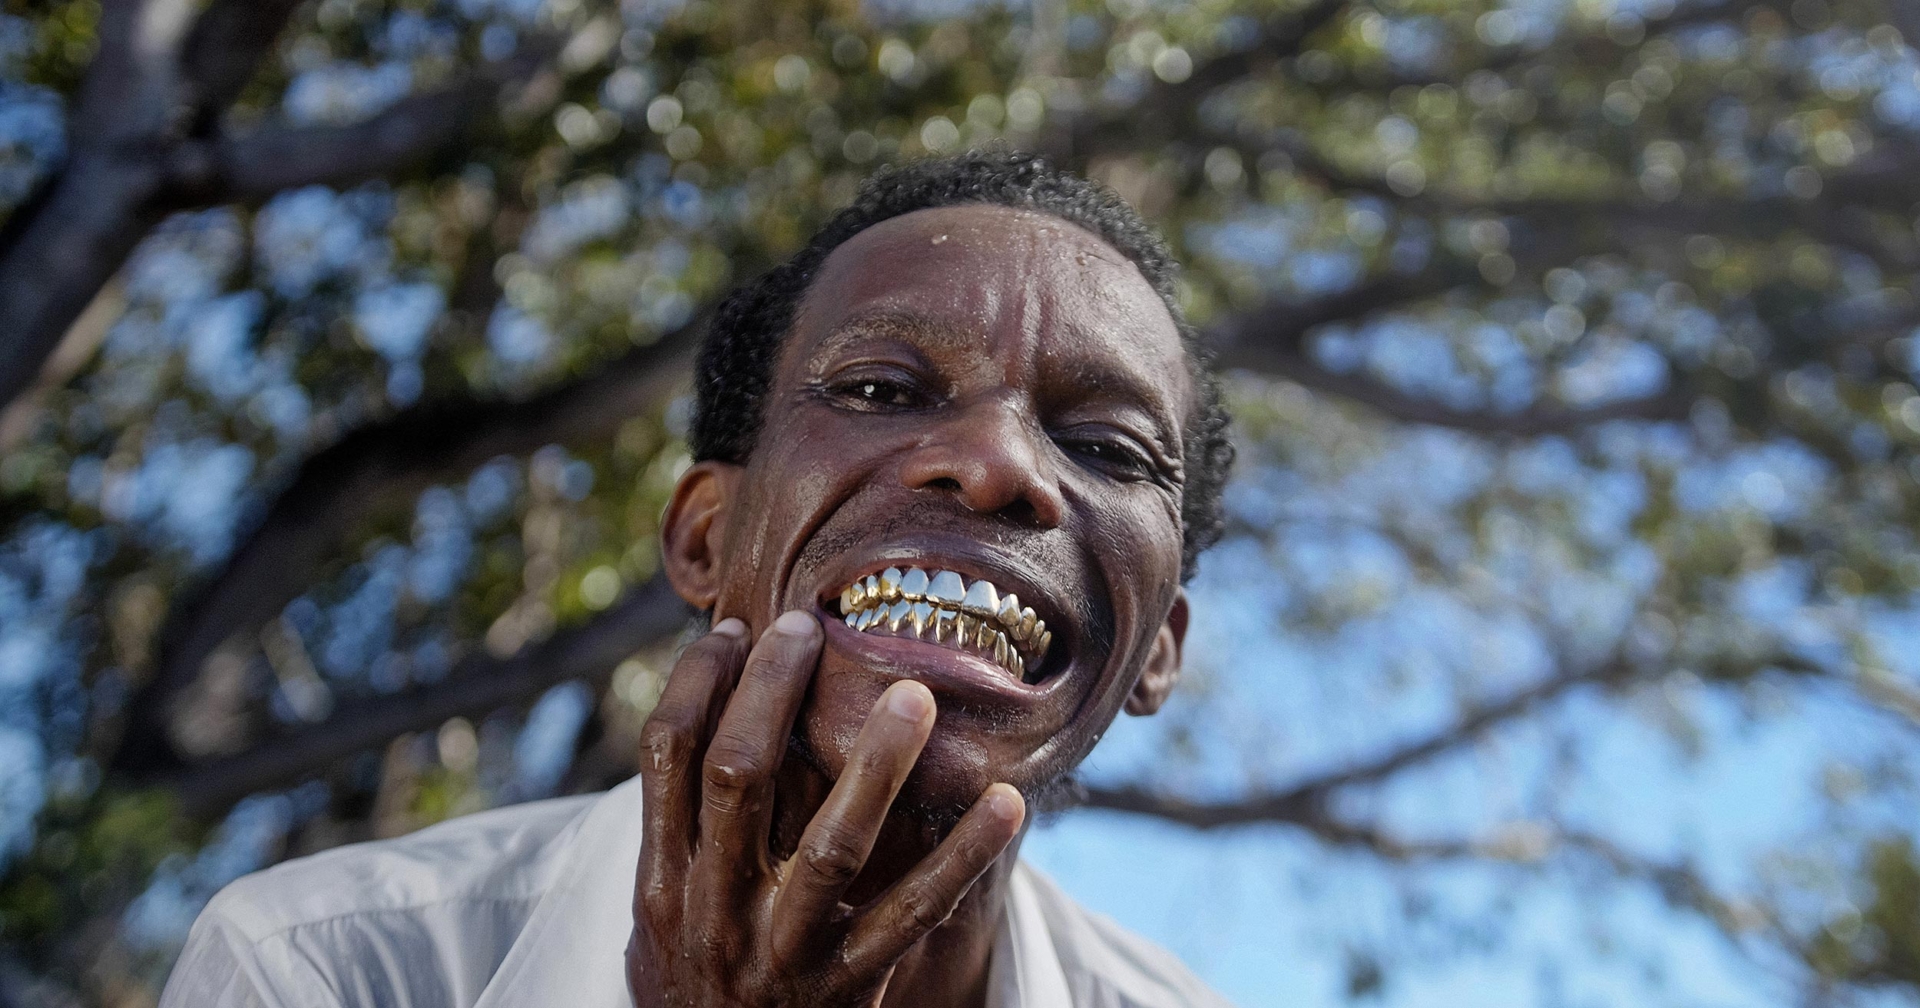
(899, 325)
(908, 327)
(1134, 389)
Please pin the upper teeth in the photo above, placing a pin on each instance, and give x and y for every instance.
(943, 607)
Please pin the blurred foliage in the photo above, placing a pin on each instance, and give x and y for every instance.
(1881, 943)
(1605, 429)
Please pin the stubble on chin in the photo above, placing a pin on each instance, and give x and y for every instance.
(1045, 800)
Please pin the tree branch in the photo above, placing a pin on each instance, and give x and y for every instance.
(649, 615)
(137, 156)
(1677, 883)
(224, 51)
(339, 486)
(255, 165)
(1905, 18)
(58, 248)
(1305, 803)
(1837, 217)
(1589, 47)
(1271, 340)
(66, 245)
(1282, 326)
(1086, 133)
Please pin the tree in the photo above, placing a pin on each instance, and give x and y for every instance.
(342, 342)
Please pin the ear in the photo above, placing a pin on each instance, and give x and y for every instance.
(693, 530)
(1163, 663)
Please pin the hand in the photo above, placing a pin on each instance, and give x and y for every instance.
(716, 920)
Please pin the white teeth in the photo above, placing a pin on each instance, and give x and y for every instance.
(944, 608)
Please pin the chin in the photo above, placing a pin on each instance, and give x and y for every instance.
(953, 769)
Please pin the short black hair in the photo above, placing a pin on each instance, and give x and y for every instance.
(743, 340)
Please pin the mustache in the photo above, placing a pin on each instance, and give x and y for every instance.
(1044, 551)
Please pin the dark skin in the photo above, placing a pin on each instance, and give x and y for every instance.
(831, 816)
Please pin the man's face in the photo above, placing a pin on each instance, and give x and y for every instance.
(998, 394)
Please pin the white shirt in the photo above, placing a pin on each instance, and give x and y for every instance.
(532, 905)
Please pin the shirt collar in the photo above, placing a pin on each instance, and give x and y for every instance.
(573, 948)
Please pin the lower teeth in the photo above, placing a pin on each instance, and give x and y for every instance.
(944, 626)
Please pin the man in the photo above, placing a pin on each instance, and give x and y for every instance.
(955, 461)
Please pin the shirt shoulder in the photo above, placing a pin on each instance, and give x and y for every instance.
(1108, 966)
(502, 854)
(356, 925)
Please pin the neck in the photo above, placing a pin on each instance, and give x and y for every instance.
(946, 969)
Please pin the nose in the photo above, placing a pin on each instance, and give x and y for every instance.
(992, 458)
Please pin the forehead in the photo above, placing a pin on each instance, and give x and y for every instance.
(1000, 276)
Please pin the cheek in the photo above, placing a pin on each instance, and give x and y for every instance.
(1136, 540)
(1136, 535)
(801, 470)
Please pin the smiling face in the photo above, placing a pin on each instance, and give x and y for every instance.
(987, 392)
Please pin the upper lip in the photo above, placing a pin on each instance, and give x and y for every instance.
(967, 558)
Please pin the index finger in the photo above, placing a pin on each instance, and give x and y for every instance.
(674, 739)
(836, 843)
(736, 782)
(929, 892)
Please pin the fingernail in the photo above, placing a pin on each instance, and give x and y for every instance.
(910, 702)
(731, 626)
(796, 622)
(1004, 804)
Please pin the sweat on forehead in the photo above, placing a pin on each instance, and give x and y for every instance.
(975, 265)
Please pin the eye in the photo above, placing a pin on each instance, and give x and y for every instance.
(1116, 457)
(879, 392)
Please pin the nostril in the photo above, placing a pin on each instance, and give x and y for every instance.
(1022, 511)
(945, 483)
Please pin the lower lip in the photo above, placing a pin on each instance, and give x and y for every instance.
(942, 669)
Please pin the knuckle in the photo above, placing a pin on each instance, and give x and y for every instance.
(873, 761)
(832, 862)
(973, 852)
(709, 649)
(659, 903)
(781, 656)
(665, 744)
(715, 947)
(730, 768)
(922, 911)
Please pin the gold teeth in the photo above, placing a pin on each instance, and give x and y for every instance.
(944, 608)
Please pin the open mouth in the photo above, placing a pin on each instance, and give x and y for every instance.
(941, 607)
